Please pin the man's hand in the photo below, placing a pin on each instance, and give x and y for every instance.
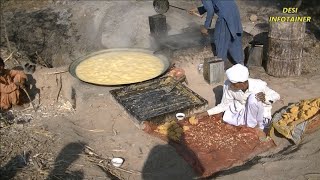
(202, 115)
(204, 31)
(20, 84)
(261, 96)
(193, 11)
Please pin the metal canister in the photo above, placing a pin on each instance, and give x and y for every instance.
(213, 70)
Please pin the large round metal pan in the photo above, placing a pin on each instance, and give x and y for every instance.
(74, 64)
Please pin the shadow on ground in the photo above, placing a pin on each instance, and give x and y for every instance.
(67, 156)
(163, 162)
(9, 170)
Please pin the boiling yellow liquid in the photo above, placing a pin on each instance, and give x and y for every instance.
(114, 68)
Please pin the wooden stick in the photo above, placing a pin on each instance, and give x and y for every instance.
(90, 148)
(93, 130)
(10, 56)
(121, 169)
(92, 153)
(26, 108)
(114, 131)
(196, 14)
(96, 130)
(60, 87)
(58, 72)
(6, 36)
(118, 150)
(8, 43)
(128, 171)
(24, 89)
(40, 58)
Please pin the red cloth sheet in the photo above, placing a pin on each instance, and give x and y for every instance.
(212, 146)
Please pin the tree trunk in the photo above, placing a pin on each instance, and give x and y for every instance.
(285, 48)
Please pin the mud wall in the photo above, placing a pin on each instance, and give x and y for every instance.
(46, 36)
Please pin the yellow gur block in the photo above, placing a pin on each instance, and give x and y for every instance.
(193, 120)
(185, 128)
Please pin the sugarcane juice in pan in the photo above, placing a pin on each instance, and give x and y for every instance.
(119, 68)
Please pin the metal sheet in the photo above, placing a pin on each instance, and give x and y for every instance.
(151, 100)
(73, 65)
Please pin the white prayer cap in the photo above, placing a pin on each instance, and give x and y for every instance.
(237, 73)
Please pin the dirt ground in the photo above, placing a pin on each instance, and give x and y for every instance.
(77, 126)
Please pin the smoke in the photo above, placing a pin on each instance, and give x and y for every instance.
(127, 24)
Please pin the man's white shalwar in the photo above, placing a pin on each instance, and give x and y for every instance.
(242, 108)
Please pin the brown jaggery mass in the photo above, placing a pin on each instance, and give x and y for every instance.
(212, 146)
(300, 112)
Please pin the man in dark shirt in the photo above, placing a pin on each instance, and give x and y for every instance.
(228, 29)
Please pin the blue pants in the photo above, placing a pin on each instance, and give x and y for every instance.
(224, 42)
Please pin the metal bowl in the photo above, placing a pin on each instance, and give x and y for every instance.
(180, 116)
(74, 64)
(117, 162)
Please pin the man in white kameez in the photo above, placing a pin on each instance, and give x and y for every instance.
(245, 101)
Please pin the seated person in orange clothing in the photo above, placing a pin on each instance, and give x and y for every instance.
(11, 82)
